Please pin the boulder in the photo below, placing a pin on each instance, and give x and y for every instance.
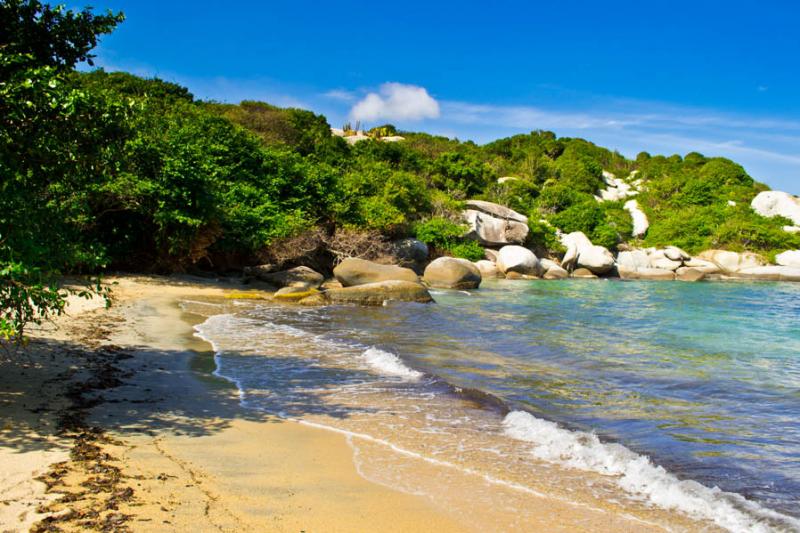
(506, 179)
(495, 225)
(730, 262)
(556, 272)
(632, 261)
(410, 250)
(707, 267)
(582, 253)
(376, 293)
(302, 277)
(790, 258)
(392, 139)
(496, 210)
(490, 254)
(492, 231)
(488, 269)
(452, 273)
(769, 273)
(777, 203)
(514, 258)
(675, 254)
(665, 263)
(517, 275)
(547, 264)
(353, 271)
(583, 273)
(689, 274)
(640, 222)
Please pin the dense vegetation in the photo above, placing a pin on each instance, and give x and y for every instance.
(108, 170)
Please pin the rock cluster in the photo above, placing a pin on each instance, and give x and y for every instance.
(502, 230)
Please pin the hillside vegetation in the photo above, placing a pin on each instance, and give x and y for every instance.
(109, 170)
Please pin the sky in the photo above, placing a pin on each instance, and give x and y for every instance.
(718, 77)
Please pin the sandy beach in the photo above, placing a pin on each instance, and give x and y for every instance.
(113, 420)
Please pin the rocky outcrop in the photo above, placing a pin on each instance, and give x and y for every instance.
(640, 222)
(617, 189)
(518, 259)
(410, 249)
(581, 253)
(506, 179)
(372, 294)
(452, 273)
(353, 271)
(732, 262)
(777, 203)
(488, 269)
(790, 258)
(665, 263)
(495, 225)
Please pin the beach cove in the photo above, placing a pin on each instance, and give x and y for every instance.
(312, 451)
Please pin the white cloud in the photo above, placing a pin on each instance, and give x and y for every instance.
(396, 101)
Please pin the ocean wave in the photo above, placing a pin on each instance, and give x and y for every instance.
(637, 475)
(389, 364)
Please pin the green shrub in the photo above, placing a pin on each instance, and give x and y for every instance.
(467, 250)
(439, 232)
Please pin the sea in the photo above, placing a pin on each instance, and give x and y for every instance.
(648, 399)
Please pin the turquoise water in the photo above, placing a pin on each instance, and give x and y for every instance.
(704, 379)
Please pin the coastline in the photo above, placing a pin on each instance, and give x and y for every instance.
(194, 458)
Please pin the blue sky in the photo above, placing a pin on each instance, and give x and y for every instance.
(721, 78)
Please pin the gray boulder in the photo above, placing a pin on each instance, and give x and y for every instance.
(583, 273)
(373, 294)
(452, 273)
(495, 225)
(652, 273)
(555, 272)
(518, 259)
(581, 253)
(353, 271)
(410, 250)
(298, 277)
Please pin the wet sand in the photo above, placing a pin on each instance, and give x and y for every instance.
(194, 459)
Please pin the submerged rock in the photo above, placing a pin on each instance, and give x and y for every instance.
(452, 273)
(353, 271)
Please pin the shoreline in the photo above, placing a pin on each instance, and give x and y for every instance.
(192, 455)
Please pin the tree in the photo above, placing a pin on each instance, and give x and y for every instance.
(54, 139)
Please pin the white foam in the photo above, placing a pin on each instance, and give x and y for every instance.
(389, 364)
(639, 476)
